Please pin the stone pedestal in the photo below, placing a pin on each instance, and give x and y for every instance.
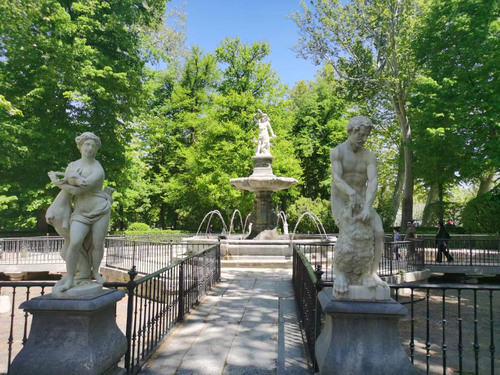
(361, 337)
(263, 216)
(72, 336)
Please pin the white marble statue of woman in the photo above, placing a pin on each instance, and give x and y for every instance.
(83, 226)
(263, 143)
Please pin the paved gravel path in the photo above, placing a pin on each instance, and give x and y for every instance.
(246, 325)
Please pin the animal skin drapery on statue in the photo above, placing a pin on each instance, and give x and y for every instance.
(84, 224)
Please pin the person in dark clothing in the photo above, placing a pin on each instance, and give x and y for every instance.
(397, 238)
(410, 236)
(442, 238)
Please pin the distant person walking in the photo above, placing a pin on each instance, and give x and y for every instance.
(442, 238)
(411, 233)
(397, 238)
(410, 236)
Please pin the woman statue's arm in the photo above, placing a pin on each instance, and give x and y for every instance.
(79, 184)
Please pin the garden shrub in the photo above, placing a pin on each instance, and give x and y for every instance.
(138, 227)
(481, 214)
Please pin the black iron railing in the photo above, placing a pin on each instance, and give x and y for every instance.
(31, 250)
(154, 304)
(398, 257)
(159, 300)
(14, 328)
(304, 281)
(449, 328)
(147, 257)
(156, 236)
(402, 257)
(466, 251)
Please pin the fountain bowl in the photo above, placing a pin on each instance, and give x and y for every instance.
(263, 183)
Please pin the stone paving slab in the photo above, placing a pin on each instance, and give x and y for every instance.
(247, 325)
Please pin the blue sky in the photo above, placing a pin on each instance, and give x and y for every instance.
(210, 21)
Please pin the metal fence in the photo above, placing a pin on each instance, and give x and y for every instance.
(404, 256)
(31, 250)
(449, 328)
(306, 288)
(120, 252)
(146, 256)
(467, 251)
(159, 236)
(154, 304)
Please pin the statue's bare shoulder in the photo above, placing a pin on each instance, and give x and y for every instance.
(337, 152)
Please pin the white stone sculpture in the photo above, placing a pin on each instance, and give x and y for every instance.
(361, 235)
(265, 133)
(84, 224)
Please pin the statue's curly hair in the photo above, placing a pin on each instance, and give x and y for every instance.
(356, 122)
(81, 139)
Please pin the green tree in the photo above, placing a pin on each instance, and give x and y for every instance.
(179, 97)
(368, 45)
(220, 133)
(318, 126)
(70, 67)
(456, 99)
(481, 214)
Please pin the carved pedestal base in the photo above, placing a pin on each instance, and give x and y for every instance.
(263, 216)
(72, 336)
(361, 338)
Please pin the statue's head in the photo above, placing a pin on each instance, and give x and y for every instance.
(84, 137)
(358, 122)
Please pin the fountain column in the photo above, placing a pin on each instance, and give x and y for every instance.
(263, 216)
(262, 181)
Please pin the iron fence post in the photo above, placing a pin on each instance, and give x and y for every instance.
(470, 252)
(131, 286)
(134, 249)
(391, 251)
(218, 256)
(318, 312)
(180, 315)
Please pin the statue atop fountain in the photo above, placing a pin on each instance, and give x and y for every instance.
(263, 182)
(263, 142)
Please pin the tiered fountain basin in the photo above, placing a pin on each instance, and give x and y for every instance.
(263, 178)
(262, 182)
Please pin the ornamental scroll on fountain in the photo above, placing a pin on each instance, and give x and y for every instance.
(263, 182)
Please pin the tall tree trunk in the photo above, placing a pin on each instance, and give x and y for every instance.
(162, 215)
(440, 207)
(398, 188)
(120, 210)
(486, 183)
(407, 203)
(430, 205)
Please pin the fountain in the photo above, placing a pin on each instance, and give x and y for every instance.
(263, 183)
(317, 222)
(231, 223)
(209, 215)
(263, 247)
(282, 216)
